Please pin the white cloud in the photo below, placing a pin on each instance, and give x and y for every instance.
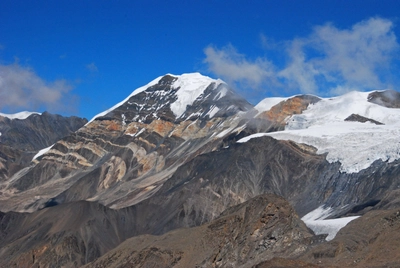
(328, 60)
(356, 55)
(233, 67)
(22, 89)
(299, 73)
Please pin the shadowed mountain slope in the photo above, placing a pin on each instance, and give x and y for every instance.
(21, 139)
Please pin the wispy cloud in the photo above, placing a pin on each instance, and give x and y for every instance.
(328, 60)
(234, 67)
(22, 89)
(92, 67)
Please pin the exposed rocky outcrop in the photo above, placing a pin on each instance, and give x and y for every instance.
(244, 235)
(361, 119)
(295, 105)
(37, 131)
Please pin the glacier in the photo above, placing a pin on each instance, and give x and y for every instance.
(355, 145)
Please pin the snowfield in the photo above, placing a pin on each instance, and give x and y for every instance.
(355, 145)
(316, 221)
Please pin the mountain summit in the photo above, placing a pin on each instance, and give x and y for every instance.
(177, 98)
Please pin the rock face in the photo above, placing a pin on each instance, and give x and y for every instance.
(295, 105)
(242, 236)
(21, 139)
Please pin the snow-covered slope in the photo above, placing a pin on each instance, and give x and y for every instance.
(20, 115)
(189, 87)
(355, 145)
(316, 221)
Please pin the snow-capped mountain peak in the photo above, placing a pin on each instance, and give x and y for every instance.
(177, 97)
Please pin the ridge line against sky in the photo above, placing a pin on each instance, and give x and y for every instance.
(82, 57)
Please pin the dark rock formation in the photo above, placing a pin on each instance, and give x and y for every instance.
(361, 119)
(387, 98)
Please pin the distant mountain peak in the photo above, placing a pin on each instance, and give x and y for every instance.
(20, 115)
(177, 98)
(190, 87)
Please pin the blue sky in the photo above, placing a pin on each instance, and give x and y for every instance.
(81, 57)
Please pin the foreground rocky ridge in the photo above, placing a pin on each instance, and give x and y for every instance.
(167, 158)
(242, 236)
